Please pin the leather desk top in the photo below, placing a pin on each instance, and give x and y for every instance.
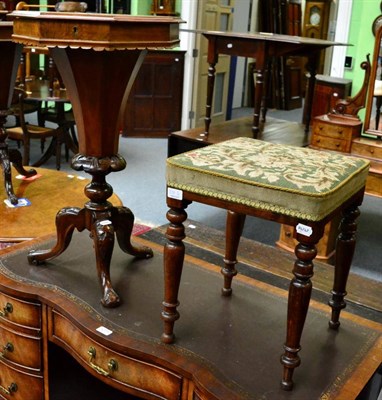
(238, 339)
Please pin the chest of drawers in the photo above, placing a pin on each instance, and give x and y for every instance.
(334, 132)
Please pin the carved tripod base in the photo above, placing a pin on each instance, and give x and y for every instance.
(101, 219)
(7, 157)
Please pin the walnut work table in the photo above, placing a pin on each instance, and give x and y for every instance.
(262, 47)
(98, 57)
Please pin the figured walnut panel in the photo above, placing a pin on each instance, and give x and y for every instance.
(23, 386)
(129, 373)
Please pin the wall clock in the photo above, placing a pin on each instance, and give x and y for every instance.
(316, 19)
(315, 16)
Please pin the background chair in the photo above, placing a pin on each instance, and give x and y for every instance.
(46, 112)
(58, 115)
(25, 132)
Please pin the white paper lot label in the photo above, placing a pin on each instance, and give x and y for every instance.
(175, 193)
(304, 230)
(104, 330)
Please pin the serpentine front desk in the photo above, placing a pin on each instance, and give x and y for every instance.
(221, 353)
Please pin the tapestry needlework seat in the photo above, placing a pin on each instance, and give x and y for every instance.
(301, 187)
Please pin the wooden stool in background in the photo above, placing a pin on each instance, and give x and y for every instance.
(300, 187)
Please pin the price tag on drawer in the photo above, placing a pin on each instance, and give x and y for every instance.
(104, 331)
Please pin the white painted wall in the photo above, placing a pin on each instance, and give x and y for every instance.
(187, 43)
(241, 23)
(341, 35)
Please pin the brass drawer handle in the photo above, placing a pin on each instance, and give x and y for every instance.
(10, 389)
(6, 310)
(112, 365)
(7, 348)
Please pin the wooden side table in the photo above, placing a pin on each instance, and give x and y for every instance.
(98, 57)
(262, 46)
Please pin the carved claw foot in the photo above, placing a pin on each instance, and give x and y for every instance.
(110, 298)
(37, 257)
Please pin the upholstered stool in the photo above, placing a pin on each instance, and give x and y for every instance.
(301, 187)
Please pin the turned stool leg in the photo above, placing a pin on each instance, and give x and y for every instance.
(234, 229)
(300, 290)
(173, 265)
(344, 254)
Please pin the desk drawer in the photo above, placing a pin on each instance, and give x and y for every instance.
(19, 312)
(124, 371)
(17, 385)
(328, 143)
(367, 150)
(20, 349)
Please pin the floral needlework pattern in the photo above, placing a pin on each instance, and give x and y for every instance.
(270, 165)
